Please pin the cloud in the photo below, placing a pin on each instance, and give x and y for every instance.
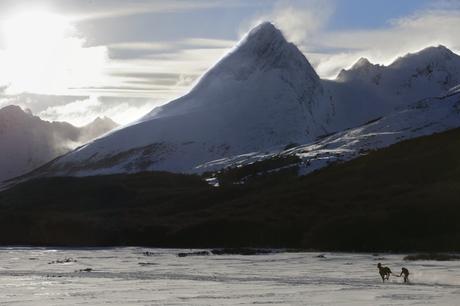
(75, 112)
(203, 43)
(139, 50)
(36, 102)
(328, 65)
(161, 74)
(44, 54)
(65, 73)
(115, 8)
(149, 46)
(158, 78)
(82, 112)
(403, 35)
(445, 4)
(301, 23)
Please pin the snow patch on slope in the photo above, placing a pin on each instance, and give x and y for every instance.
(425, 117)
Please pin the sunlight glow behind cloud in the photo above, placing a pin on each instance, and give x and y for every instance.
(43, 55)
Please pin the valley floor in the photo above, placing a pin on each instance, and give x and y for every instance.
(130, 276)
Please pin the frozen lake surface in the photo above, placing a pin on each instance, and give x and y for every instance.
(126, 276)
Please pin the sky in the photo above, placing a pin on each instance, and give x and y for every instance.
(74, 60)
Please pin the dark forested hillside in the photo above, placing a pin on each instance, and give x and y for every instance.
(402, 198)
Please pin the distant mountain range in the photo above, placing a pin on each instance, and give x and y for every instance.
(264, 97)
(26, 141)
(263, 100)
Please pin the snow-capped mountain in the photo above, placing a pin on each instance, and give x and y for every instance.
(433, 69)
(263, 97)
(27, 142)
(367, 91)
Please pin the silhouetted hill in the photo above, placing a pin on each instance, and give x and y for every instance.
(27, 141)
(401, 198)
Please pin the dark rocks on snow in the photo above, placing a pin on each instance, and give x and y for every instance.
(61, 261)
(227, 251)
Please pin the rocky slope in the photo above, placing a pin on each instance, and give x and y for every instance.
(27, 142)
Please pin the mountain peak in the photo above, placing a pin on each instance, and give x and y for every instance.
(102, 122)
(361, 63)
(14, 111)
(439, 50)
(263, 57)
(103, 119)
(262, 41)
(433, 54)
(262, 49)
(264, 32)
(264, 26)
(11, 109)
(360, 70)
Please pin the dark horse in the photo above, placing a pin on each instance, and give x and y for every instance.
(384, 272)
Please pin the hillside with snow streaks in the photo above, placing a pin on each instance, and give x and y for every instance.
(426, 117)
(264, 97)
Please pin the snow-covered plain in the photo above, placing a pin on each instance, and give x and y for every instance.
(125, 276)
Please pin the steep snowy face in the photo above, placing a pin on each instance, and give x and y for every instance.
(432, 71)
(261, 65)
(263, 49)
(264, 94)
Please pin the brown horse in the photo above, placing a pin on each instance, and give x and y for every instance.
(384, 272)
